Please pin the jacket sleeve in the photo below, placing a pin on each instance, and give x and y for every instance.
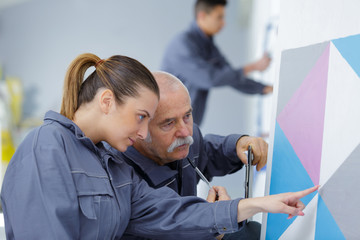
(39, 198)
(162, 214)
(217, 154)
(183, 58)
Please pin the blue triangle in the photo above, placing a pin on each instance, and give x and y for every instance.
(349, 48)
(326, 227)
(287, 175)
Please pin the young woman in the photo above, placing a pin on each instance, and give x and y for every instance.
(62, 183)
(59, 184)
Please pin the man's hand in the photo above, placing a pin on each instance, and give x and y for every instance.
(259, 147)
(260, 65)
(263, 63)
(217, 193)
(268, 89)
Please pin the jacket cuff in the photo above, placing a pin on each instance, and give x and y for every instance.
(224, 223)
(232, 140)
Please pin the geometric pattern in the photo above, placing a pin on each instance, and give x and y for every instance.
(306, 110)
(296, 230)
(317, 140)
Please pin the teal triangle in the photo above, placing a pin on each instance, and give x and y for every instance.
(326, 227)
(349, 48)
(287, 175)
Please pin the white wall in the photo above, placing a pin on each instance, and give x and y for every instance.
(39, 38)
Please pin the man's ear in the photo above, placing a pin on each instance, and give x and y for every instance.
(200, 15)
(107, 100)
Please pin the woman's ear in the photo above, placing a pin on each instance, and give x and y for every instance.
(107, 100)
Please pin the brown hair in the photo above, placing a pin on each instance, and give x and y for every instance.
(122, 75)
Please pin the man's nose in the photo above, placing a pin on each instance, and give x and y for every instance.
(182, 130)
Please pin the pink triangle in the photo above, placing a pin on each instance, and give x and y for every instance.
(302, 119)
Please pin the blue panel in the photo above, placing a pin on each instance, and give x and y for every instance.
(287, 175)
(326, 227)
(349, 48)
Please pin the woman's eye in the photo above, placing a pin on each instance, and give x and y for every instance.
(141, 117)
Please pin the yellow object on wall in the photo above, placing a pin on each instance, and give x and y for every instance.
(10, 115)
(7, 146)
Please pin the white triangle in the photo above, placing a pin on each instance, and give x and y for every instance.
(303, 228)
(342, 115)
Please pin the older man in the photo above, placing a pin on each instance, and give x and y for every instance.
(163, 158)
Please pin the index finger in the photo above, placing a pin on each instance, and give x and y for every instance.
(305, 192)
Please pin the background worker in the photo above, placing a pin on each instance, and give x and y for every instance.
(193, 57)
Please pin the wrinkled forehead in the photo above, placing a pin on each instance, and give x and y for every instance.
(173, 104)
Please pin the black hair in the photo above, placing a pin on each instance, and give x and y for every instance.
(208, 5)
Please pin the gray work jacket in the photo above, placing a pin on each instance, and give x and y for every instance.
(59, 185)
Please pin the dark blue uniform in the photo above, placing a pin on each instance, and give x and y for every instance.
(214, 156)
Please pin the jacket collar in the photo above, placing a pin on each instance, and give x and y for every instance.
(52, 116)
(149, 169)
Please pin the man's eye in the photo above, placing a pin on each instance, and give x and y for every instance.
(168, 126)
(187, 117)
(141, 117)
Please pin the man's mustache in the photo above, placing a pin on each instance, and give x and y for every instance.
(180, 141)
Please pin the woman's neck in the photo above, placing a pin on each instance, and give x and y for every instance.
(87, 120)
